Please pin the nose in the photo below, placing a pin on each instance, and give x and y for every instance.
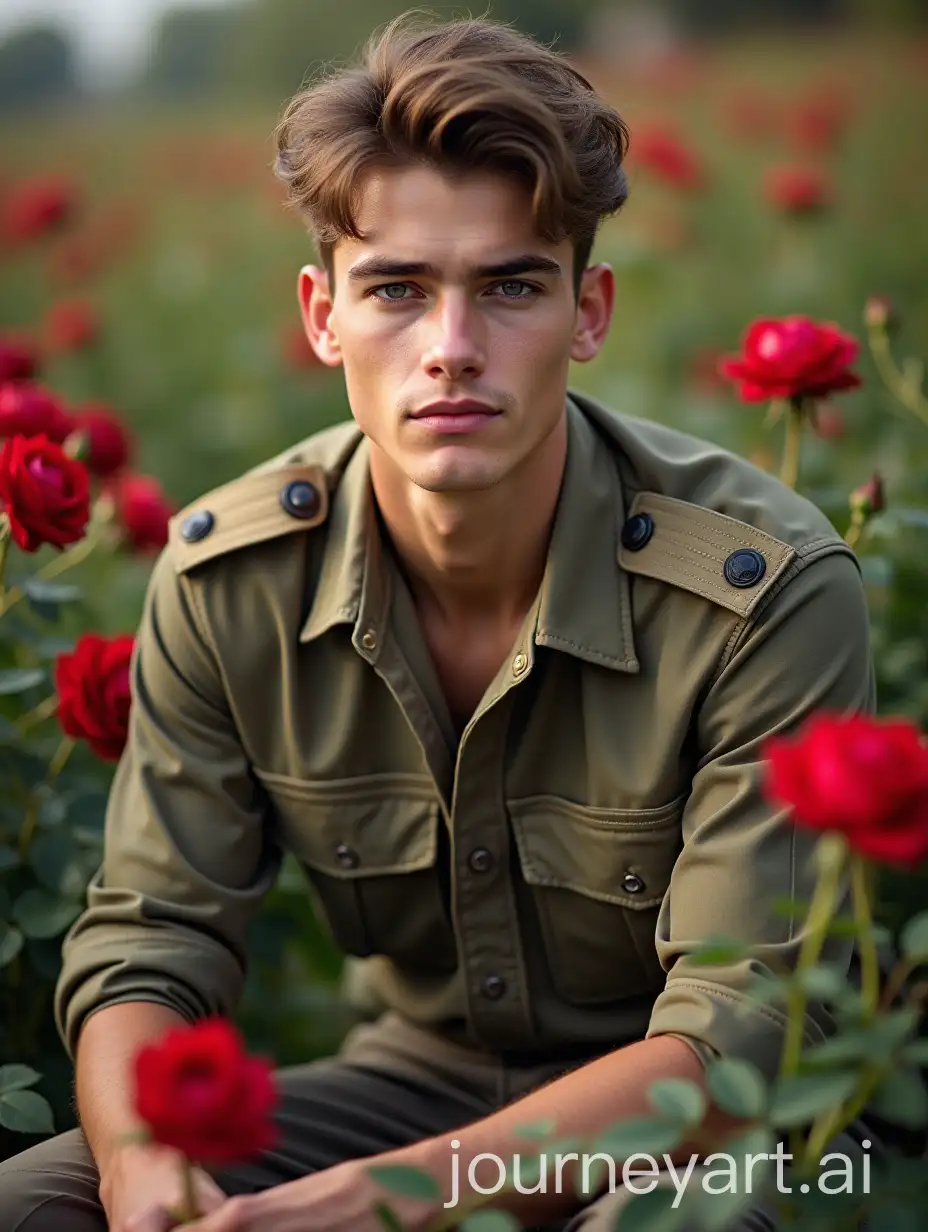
(455, 346)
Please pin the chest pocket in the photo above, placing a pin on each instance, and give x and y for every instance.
(370, 848)
(596, 879)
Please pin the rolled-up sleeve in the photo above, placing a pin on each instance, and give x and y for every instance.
(807, 650)
(187, 855)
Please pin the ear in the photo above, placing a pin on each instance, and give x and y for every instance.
(316, 311)
(594, 312)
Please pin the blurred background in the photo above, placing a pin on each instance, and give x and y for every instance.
(777, 166)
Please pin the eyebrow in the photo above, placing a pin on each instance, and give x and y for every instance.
(384, 267)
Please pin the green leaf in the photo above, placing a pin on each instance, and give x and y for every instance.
(901, 1099)
(41, 915)
(11, 942)
(387, 1218)
(913, 938)
(537, 1129)
(822, 982)
(19, 679)
(652, 1211)
(722, 1210)
(26, 1112)
(9, 858)
(679, 1099)
(489, 1221)
(798, 1099)
(9, 732)
(407, 1181)
(916, 1052)
(56, 860)
(737, 1087)
(643, 1135)
(896, 1215)
(17, 1078)
(719, 950)
(52, 592)
(841, 1049)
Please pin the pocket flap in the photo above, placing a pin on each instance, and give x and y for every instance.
(615, 856)
(367, 827)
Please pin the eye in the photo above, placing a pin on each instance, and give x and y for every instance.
(390, 286)
(510, 283)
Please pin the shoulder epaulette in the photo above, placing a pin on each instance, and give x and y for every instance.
(256, 507)
(707, 553)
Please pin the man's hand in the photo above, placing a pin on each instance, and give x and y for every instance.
(142, 1191)
(339, 1199)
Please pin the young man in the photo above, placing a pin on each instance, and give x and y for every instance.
(494, 662)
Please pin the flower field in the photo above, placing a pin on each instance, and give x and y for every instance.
(771, 297)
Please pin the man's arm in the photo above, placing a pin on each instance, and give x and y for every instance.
(186, 864)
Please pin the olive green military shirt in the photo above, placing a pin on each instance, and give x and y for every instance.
(541, 882)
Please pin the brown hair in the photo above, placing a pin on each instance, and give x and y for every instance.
(459, 96)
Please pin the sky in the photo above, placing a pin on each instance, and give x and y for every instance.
(111, 36)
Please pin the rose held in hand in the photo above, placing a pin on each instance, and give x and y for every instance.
(94, 697)
(199, 1092)
(866, 778)
(44, 493)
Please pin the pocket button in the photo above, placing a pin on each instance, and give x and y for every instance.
(346, 856)
(632, 884)
(493, 987)
(480, 860)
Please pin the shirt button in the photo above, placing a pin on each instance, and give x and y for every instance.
(493, 987)
(744, 568)
(519, 664)
(480, 859)
(637, 531)
(346, 856)
(632, 884)
(300, 499)
(369, 640)
(197, 526)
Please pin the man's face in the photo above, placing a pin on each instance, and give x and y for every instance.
(451, 296)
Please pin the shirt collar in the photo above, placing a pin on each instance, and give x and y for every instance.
(583, 606)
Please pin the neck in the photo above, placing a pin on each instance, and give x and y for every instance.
(474, 556)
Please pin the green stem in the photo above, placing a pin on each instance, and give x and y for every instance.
(67, 560)
(5, 539)
(189, 1211)
(831, 855)
(38, 714)
(55, 766)
(902, 390)
(57, 763)
(854, 530)
(831, 1124)
(789, 471)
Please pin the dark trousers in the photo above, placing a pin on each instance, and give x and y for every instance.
(390, 1085)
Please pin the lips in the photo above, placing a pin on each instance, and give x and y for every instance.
(468, 406)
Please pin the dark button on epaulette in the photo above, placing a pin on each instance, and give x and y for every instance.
(197, 526)
(637, 531)
(300, 498)
(745, 567)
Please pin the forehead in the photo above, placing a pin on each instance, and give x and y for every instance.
(453, 221)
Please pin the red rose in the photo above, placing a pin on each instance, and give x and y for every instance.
(71, 325)
(31, 410)
(200, 1093)
(37, 206)
(107, 445)
(797, 190)
(44, 493)
(792, 357)
(18, 359)
(667, 158)
(865, 777)
(94, 699)
(143, 510)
